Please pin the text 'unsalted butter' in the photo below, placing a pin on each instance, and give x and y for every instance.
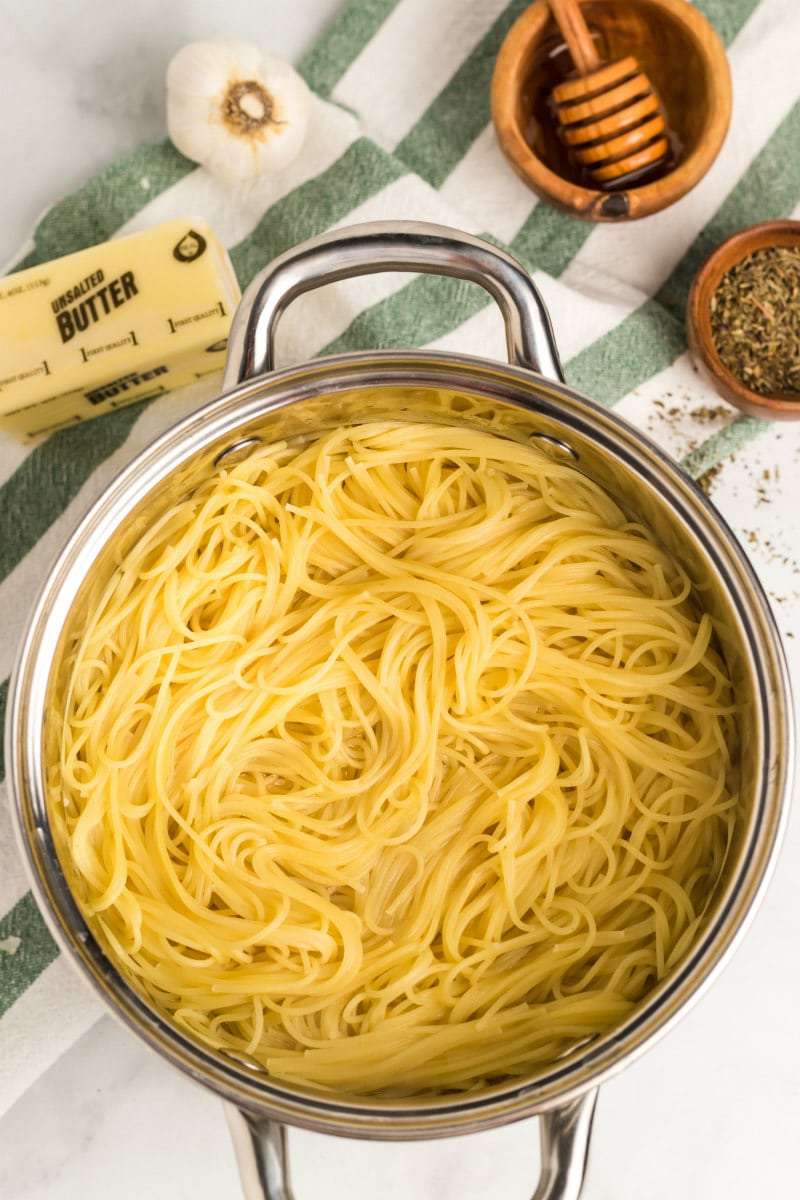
(129, 319)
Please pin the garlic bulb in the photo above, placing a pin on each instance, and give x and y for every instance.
(236, 110)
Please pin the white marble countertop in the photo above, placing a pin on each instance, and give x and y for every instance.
(712, 1111)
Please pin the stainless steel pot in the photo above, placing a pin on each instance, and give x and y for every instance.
(525, 400)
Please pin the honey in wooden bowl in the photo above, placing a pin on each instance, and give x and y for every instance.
(676, 48)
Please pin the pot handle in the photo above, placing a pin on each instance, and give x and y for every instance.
(412, 246)
(261, 1151)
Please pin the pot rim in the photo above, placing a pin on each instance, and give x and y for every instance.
(583, 1069)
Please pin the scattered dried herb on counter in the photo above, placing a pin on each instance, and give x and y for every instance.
(706, 480)
(755, 320)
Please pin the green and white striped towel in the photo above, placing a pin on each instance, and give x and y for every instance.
(401, 129)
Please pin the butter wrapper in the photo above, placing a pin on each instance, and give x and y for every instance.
(126, 320)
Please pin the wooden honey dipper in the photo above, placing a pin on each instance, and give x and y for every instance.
(610, 116)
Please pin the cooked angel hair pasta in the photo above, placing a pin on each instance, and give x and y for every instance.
(397, 760)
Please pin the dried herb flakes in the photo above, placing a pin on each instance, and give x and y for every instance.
(755, 320)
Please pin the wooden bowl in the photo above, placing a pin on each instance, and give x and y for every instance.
(676, 48)
(780, 406)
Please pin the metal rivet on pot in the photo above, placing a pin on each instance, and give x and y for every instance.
(553, 447)
(236, 452)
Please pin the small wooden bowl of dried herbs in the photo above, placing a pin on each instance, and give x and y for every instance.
(743, 319)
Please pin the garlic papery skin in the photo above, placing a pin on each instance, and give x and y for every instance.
(237, 111)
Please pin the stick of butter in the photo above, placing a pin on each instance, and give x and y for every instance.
(129, 319)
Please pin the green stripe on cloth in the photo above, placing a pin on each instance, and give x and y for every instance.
(324, 66)
(447, 129)
(51, 476)
(646, 342)
(548, 240)
(35, 952)
(359, 173)
(652, 337)
(722, 443)
(93, 213)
